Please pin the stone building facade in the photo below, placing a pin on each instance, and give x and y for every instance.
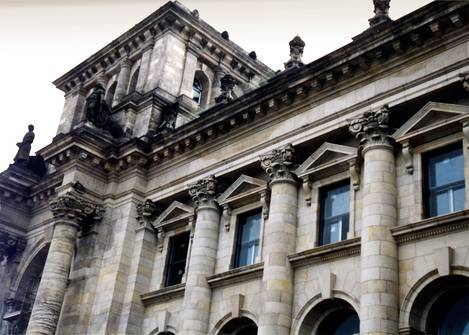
(192, 190)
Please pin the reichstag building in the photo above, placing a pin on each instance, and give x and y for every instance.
(192, 190)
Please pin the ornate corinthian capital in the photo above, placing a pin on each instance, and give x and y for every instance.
(203, 192)
(147, 212)
(70, 206)
(279, 163)
(372, 127)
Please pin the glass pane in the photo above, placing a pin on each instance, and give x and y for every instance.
(446, 168)
(251, 228)
(335, 231)
(243, 257)
(456, 321)
(337, 201)
(459, 196)
(439, 203)
(177, 259)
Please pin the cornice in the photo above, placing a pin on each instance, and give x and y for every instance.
(431, 227)
(326, 253)
(238, 275)
(163, 295)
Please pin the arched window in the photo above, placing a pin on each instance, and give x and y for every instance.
(239, 326)
(133, 81)
(197, 91)
(110, 94)
(332, 317)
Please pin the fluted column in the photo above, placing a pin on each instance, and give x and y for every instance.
(379, 263)
(197, 298)
(279, 242)
(70, 213)
(122, 80)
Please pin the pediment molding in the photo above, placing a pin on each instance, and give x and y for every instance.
(177, 213)
(432, 116)
(326, 156)
(243, 187)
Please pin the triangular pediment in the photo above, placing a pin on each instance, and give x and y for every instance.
(326, 154)
(243, 185)
(175, 211)
(431, 116)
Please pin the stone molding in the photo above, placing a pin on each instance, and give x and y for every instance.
(72, 208)
(203, 192)
(278, 164)
(431, 227)
(11, 246)
(326, 253)
(163, 295)
(238, 275)
(372, 129)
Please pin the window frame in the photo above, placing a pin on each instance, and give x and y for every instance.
(238, 232)
(322, 191)
(425, 187)
(169, 255)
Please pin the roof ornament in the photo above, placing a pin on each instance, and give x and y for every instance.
(297, 46)
(381, 12)
(227, 84)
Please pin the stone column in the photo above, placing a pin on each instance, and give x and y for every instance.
(70, 213)
(190, 65)
(73, 110)
(145, 64)
(216, 84)
(379, 262)
(279, 242)
(197, 298)
(122, 80)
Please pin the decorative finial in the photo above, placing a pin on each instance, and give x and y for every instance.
(381, 12)
(297, 46)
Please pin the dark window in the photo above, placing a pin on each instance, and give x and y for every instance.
(247, 242)
(445, 181)
(197, 91)
(334, 219)
(178, 246)
(340, 322)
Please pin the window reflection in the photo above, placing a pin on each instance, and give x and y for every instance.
(335, 206)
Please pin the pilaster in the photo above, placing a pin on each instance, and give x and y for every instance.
(73, 110)
(279, 242)
(122, 80)
(190, 65)
(145, 64)
(379, 262)
(197, 298)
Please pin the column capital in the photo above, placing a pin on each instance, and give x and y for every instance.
(71, 207)
(147, 212)
(11, 246)
(125, 62)
(203, 192)
(279, 164)
(372, 129)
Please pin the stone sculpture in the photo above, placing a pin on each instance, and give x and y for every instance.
(98, 112)
(381, 12)
(227, 84)
(24, 147)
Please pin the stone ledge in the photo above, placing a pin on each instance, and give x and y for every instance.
(164, 294)
(431, 227)
(237, 275)
(326, 253)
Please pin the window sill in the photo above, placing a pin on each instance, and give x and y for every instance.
(326, 253)
(237, 275)
(430, 227)
(164, 294)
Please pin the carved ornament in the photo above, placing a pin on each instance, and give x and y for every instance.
(203, 192)
(11, 246)
(297, 46)
(147, 212)
(279, 163)
(372, 127)
(227, 84)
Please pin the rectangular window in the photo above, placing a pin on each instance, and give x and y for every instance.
(247, 242)
(335, 207)
(178, 246)
(444, 184)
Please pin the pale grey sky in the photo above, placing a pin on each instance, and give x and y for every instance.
(43, 39)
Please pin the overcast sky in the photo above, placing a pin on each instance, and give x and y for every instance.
(42, 39)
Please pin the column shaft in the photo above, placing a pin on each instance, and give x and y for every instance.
(50, 295)
(279, 242)
(196, 306)
(122, 81)
(379, 263)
